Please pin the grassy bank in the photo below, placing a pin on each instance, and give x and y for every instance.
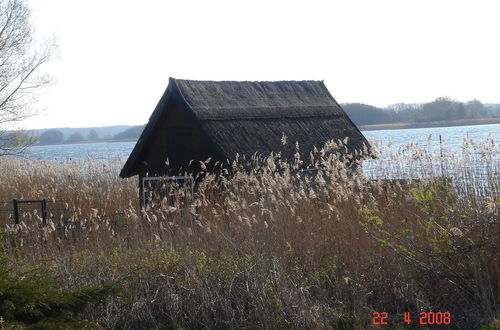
(274, 249)
(462, 122)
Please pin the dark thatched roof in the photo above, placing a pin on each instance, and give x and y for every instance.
(233, 100)
(244, 118)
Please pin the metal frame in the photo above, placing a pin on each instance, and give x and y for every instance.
(43, 205)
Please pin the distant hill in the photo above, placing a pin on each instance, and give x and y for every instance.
(62, 135)
(107, 132)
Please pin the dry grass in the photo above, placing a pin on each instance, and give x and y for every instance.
(274, 249)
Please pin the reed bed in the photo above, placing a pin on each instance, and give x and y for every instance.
(274, 247)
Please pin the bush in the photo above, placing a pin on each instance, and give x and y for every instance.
(35, 299)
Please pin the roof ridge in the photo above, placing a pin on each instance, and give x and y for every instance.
(181, 94)
(249, 81)
(266, 107)
(255, 118)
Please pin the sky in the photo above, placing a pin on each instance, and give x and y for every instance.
(115, 56)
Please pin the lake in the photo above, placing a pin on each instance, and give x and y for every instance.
(100, 151)
(452, 137)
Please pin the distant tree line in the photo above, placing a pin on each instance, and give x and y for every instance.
(130, 133)
(441, 109)
(55, 136)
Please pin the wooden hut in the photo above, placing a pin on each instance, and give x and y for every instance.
(197, 120)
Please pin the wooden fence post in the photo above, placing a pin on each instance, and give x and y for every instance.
(44, 211)
(16, 212)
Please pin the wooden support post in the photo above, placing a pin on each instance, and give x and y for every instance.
(16, 212)
(44, 211)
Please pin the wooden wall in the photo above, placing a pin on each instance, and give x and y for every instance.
(177, 138)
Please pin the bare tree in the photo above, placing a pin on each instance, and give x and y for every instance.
(21, 57)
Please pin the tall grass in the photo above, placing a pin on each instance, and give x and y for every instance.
(273, 247)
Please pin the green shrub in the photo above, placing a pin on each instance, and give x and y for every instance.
(35, 299)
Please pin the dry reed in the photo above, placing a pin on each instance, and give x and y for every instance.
(273, 248)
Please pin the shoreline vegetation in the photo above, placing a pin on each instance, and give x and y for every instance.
(271, 248)
(445, 111)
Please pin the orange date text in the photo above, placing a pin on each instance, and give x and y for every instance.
(423, 318)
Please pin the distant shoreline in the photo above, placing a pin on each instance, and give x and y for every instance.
(375, 127)
(461, 122)
(106, 141)
(86, 142)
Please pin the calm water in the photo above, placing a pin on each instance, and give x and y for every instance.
(452, 137)
(392, 139)
(480, 162)
(100, 151)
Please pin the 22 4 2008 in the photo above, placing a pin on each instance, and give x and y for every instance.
(425, 318)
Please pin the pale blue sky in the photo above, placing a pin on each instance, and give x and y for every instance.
(116, 55)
